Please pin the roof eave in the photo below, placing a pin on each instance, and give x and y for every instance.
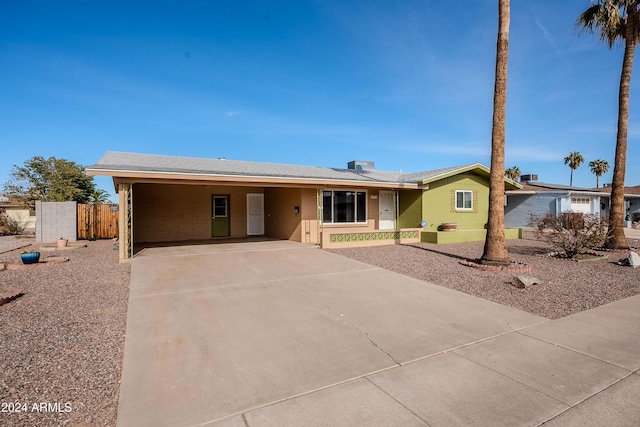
(584, 193)
(523, 192)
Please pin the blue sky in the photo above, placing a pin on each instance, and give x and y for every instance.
(407, 84)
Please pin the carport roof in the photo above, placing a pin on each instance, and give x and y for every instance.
(133, 165)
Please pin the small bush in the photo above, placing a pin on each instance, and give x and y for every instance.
(571, 233)
(9, 226)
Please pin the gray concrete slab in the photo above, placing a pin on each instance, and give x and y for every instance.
(237, 421)
(619, 405)
(449, 390)
(169, 249)
(608, 333)
(356, 403)
(632, 233)
(177, 270)
(623, 315)
(563, 374)
(225, 330)
(409, 318)
(217, 352)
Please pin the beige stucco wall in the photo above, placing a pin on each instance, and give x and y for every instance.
(373, 208)
(309, 226)
(23, 217)
(280, 220)
(174, 212)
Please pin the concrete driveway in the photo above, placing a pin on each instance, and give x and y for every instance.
(281, 333)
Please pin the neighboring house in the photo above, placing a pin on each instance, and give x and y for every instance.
(540, 198)
(631, 201)
(165, 198)
(25, 217)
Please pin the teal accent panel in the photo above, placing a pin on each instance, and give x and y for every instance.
(375, 235)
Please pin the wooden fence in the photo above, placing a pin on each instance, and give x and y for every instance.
(97, 221)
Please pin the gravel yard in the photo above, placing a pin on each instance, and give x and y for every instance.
(61, 343)
(566, 286)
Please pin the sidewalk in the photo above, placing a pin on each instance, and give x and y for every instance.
(581, 370)
(632, 233)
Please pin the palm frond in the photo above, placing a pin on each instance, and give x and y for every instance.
(609, 19)
(604, 19)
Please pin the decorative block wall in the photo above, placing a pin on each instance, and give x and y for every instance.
(55, 220)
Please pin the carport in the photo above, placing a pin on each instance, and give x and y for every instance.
(175, 212)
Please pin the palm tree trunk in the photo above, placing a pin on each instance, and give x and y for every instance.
(617, 239)
(571, 178)
(495, 246)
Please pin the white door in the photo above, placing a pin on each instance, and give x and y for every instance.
(387, 207)
(255, 214)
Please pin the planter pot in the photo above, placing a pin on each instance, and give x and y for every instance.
(30, 257)
(628, 224)
(62, 243)
(449, 226)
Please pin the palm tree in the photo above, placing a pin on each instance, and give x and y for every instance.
(513, 173)
(495, 245)
(617, 20)
(599, 167)
(574, 160)
(98, 196)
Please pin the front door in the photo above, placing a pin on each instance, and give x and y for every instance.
(220, 216)
(255, 214)
(387, 205)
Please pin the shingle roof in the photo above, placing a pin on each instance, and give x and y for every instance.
(7, 202)
(543, 186)
(635, 190)
(133, 162)
(425, 175)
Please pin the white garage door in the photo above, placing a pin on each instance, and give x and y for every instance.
(581, 204)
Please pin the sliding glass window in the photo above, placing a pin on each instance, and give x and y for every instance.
(344, 207)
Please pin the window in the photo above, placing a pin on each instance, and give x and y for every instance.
(580, 201)
(344, 207)
(464, 200)
(219, 206)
